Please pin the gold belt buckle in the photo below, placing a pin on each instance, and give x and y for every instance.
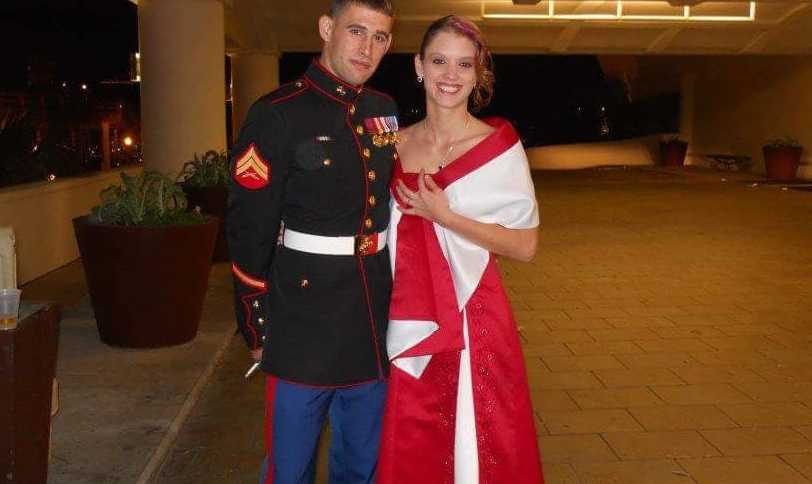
(366, 244)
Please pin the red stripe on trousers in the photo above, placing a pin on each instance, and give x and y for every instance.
(270, 402)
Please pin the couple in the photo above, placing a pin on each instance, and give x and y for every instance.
(319, 160)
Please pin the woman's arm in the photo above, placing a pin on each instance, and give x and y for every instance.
(431, 203)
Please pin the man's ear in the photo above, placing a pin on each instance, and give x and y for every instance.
(389, 43)
(326, 26)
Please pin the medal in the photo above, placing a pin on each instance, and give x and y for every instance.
(383, 130)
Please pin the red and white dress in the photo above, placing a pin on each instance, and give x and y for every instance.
(458, 408)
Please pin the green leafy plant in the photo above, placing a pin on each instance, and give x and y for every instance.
(209, 170)
(148, 199)
(786, 142)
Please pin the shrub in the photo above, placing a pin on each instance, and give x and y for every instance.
(148, 199)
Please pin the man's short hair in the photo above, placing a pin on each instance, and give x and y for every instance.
(383, 6)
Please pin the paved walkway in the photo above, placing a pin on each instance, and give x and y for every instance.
(119, 408)
(666, 324)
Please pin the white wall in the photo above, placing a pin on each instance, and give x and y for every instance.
(8, 261)
(40, 215)
(740, 102)
(633, 152)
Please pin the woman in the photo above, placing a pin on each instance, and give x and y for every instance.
(458, 408)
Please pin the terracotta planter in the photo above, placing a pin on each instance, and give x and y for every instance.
(672, 153)
(782, 164)
(146, 284)
(212, 201)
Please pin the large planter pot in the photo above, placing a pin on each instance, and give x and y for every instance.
(146, 284)
(212, 201)
(782, 163)
(672, 153)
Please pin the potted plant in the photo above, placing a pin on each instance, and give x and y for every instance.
(673, 151)
(781, 158)
(147, 260)
(205, 182)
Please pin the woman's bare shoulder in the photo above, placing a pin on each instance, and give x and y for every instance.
(407, 138)
(481, 128)
(479, 131)
(407, 132)
(411, 148)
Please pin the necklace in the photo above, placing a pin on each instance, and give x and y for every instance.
(444, 159)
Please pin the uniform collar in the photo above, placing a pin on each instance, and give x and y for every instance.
(330, 85)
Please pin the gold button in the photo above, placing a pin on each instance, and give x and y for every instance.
(359, 129)
(368, 223)
(327, 162)
(371, 175)
(305, 283)
(396, 155)
(372, 200)
(341, 90)
(352, 109)
(367, 153)
(298, 83)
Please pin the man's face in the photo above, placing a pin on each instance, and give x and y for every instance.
(355, 41)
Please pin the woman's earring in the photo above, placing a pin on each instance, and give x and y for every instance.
(420, 79)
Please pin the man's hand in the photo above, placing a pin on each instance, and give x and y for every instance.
(256, 354)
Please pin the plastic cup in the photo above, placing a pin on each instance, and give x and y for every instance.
(9, 308)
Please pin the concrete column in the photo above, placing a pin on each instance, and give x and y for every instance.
(253, 75)
(182, 80)
(105, 145)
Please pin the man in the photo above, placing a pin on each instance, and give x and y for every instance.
(314, 158)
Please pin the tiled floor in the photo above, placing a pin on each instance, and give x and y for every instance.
(667, 327)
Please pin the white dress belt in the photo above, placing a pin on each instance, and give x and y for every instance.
(365, 244)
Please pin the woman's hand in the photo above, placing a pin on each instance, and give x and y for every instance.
(429, 201)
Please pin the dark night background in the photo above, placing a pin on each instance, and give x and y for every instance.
(550, 99)
(77, 40)
(52, 47)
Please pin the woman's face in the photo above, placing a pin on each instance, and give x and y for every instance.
(448, 69)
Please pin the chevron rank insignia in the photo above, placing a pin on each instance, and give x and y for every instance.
(251, 171)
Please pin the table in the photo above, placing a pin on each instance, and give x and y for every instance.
(27, 366)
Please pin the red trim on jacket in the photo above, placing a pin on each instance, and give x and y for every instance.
(329, 387)
(249, 312)
(361, 269)
(356, 89)
(301, 91)
(380, 93)
(248, 280)
(330, 95)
